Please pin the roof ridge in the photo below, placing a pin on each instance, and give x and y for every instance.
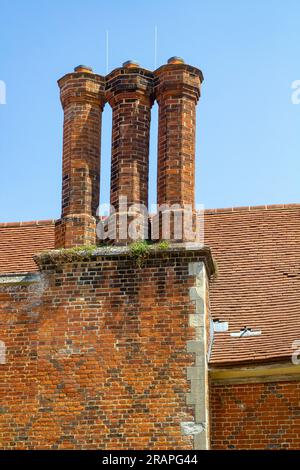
(253, 208)
(213, 210)
(32, 223)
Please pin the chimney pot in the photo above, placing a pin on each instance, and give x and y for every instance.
(131, 64)
(175, 60)
(83, 68)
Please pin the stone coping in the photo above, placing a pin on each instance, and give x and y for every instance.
(19, 278)
(61, 256)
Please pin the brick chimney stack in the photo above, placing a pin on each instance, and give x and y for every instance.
(129, 91)
(177, 90)
(83, 97)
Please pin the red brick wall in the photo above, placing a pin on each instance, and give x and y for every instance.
(97, 355)
(18, 385)
(256, 416)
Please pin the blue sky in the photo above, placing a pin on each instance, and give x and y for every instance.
(248, 130)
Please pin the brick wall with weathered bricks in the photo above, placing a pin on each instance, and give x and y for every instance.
(255, 415)
(97, 355)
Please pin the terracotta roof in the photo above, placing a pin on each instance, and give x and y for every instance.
(257, 250)
(20, 240)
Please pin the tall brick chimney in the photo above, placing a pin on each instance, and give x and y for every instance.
(129, 91)
(83, 97)
(177, 90)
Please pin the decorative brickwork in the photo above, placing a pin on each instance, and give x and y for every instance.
(97, 353)
(177, 90)
(129, 91)
(256, 416)
(18, 385)
(83, 98)
(108, 348)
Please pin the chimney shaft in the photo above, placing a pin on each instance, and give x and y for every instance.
(129, 91)
(177, 90)
(83, 97)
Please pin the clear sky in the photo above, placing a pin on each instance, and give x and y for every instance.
(248, 130)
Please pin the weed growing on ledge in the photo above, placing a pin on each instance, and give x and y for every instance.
(140, 251)
(164, 245)
(69, 254)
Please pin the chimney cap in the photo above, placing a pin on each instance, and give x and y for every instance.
(131, 63)
(176, 60)
(83, 68)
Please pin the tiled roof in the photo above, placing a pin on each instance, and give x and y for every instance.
(257, 251)
(19, 241)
